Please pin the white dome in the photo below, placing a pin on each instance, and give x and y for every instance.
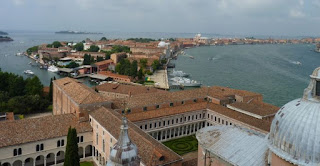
(295, 130)
(162, 44)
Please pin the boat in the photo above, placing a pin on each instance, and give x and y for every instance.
(296, 62)
(53, 69)
(19, 54)
(177, 73)
(191, 57)
(30, 63)
(29, 72)
(186, 82)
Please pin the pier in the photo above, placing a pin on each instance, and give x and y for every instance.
(160, 77)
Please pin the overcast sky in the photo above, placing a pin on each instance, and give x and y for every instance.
(242, 17)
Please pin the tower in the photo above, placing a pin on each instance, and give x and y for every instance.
(124, 152)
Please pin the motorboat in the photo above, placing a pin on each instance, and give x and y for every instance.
(186, 82)
(53, 69)
(29, 72)
(191, 57)
(19, 54)
(177, 73)
(296, 62)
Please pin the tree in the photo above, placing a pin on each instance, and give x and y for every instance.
(32, 49)
(56, 44)
(134, 68)
(155, 65)
(93, 48)
(16, 86)
(99, 59)
(140, 74)
(33, 86)
(143, 63)
(50, 90)
(103, 39)
(78, 47)
(86, 59)
(71, 156)
(72, 64)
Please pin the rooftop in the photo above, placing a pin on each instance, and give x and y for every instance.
(256, 108)
(78, 92)
(149, 149)
(126, 89)
(234, 145)
(53, 126)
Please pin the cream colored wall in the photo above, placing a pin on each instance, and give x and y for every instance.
(29, 149)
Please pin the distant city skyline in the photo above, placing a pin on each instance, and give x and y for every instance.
(226, 17)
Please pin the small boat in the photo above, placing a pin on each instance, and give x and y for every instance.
(191, 57)
(29, 72)
(187, 82)
(53, 69)
(296, 62)
(177, 73)
(19, 54)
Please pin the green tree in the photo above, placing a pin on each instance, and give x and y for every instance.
(71, 155)
(86, 59)
(78, 47)
(33, 86)
(134, 68)
(93, 48)
(72, 64)
(155, 65)
(117, 48)
(56, 44)
(103, 39)
(50, 90)
(143, 63)
(16, 86)
(99, 59)
(140, 74)
(32, 49)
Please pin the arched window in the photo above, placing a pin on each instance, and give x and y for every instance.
(58, 143)
(62, 142)
(19, 151)
(15, 152)
(37, 148)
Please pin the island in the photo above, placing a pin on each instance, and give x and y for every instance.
(3, 33)
(5, 38)
(76, 32)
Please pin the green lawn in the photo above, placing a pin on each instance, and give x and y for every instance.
(183, 145)
(86, 163)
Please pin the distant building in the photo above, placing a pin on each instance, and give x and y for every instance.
(103, 65)
(116, 57)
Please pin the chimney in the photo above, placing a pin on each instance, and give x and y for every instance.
(10, 116)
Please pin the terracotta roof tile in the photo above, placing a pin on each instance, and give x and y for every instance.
(79, 93)
(126, 89)
(147, 146)
(259, 108)
(36, 129)
(261, 124)
(166, 111)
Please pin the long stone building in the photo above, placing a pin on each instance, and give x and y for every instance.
(153, 117)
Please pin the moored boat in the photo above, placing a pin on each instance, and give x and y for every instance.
(29, 72)
(53, 69)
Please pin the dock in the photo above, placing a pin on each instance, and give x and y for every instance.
(160, 77)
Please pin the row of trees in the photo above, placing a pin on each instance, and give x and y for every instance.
(21, 95)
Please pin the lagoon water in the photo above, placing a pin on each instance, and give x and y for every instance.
(267, 69)
(271, 70)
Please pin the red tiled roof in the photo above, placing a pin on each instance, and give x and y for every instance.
(36, 129)
(149, 149)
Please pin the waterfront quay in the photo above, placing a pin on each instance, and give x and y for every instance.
(160, 77)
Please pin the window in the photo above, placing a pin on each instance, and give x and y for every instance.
(145, 127)
(110, 140)
(182, 102)
(90, 119)
(62, 142)
(164, 123)
(215, 118)
(159, 124)
(157, 106)
(140, 127)
(103, 146)
(200, 116)
(222, 121)
(195, 100)
(144, 108)
(171, 104)
(150, 126)
(177, 120)
(81, 139)
(15, 152)
(58, 143)
(155, 125)
(226, 122)
(172, 121)
(196, 116)
(128, 111)
(318, 88)
(97, 139)
(168, 122)
(205, 98)
(39, 147)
